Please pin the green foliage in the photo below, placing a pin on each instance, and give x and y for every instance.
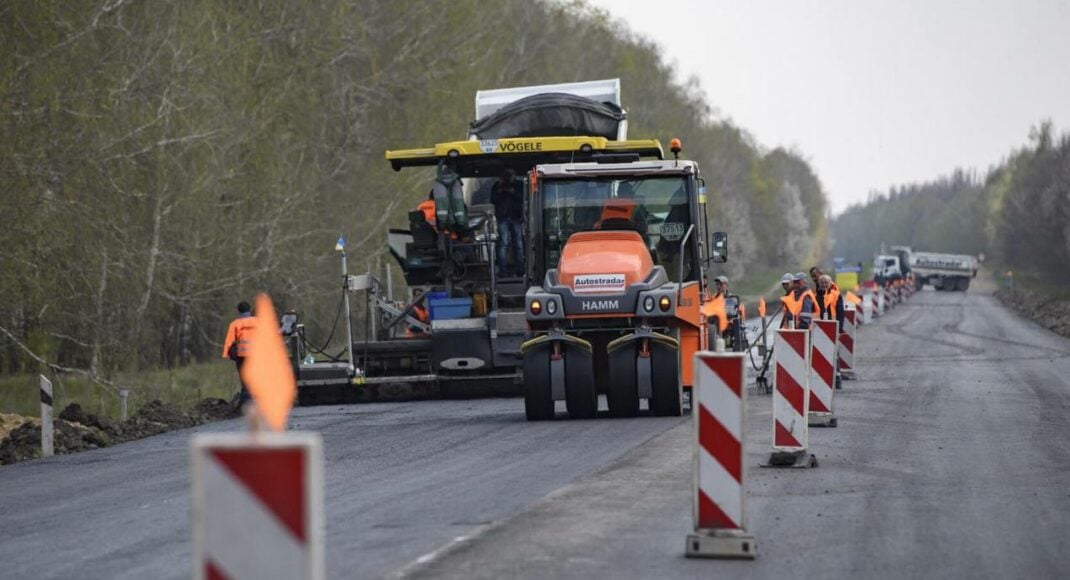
(164, 160)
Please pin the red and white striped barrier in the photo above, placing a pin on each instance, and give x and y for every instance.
(720, 513)
(866, 308)
(823, 373)
(791, 400)
(847, 343)
(878, 302)
(257, 506)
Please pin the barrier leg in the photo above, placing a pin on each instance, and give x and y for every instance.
(847, 343)
(822, 374)
(791, 400)
(720, 509)
(47, 440)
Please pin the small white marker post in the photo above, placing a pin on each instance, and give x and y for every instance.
(47, 445)
(123, 394)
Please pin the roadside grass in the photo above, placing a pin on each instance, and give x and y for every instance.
(1032, 281)
(755, 284)
(182, 386)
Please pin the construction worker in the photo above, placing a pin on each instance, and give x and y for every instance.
(236, 345)
(787, 282)
(829, 300)
(623, 208)
(806, 303)
(509, 210)
(720, 285)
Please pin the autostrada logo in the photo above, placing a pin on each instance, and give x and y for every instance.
(594, 283)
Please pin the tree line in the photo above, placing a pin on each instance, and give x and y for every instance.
(163, 160)
(1017, 214)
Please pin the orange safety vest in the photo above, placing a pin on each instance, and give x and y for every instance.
(831, 296)
(813, 300)
(790, 307)
(239, 332)
(428, 207)
(714, 308)
(616, 209)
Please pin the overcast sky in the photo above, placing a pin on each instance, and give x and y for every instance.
(872, 93)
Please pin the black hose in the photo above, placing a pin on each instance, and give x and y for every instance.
(334, 327)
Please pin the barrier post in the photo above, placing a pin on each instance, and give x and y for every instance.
(791, 400)
(848, 342)
(822, 373)
(880, 301)
(720, 508)
(48, 448)
(257, 505)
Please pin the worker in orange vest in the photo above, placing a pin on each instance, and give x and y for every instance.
(787, 301)
(236, 345)
(829, 300)
(805, 301)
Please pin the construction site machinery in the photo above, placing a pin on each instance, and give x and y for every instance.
(460, 327)
(620, 251)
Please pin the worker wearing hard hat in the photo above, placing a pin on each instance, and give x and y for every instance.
(829, 300)
(806, 303)
(787, 282)
(714, 308)
(720, 285)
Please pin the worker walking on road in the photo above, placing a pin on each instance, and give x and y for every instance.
(236, 345)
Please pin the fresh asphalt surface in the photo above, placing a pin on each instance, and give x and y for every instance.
(952, 459)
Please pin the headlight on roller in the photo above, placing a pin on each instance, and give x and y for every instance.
(551, 307)
(536, 307)
(664, 303)
(648, 304)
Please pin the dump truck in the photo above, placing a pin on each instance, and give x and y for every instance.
(950, 272)
(619, 259)
(458, 325)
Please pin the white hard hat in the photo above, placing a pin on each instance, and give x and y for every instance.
(800, 276)
(787, 278)
(721, 279)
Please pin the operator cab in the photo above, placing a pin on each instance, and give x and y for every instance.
(660, 200)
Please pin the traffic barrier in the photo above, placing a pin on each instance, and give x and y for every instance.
(847, 343)
(866, 309)
(257, 505)
(878, 302)
(47, 436)
(719, 511)
(824, 335)
(791, 400)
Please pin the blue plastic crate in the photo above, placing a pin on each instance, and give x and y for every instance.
(449, 308)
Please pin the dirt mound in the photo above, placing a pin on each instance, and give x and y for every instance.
(210, 409)
(9, 422)
(25, 441)
(1051, 313)
(76, 430)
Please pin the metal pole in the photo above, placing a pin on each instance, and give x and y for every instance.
(123, 394)
(389, 283)
(349, 317)
(47, 445)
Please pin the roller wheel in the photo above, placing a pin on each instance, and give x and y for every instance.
(581, 398)
(666, 390)
(538, 400)
(622, 392)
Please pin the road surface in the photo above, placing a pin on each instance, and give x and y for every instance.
(952, 459)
